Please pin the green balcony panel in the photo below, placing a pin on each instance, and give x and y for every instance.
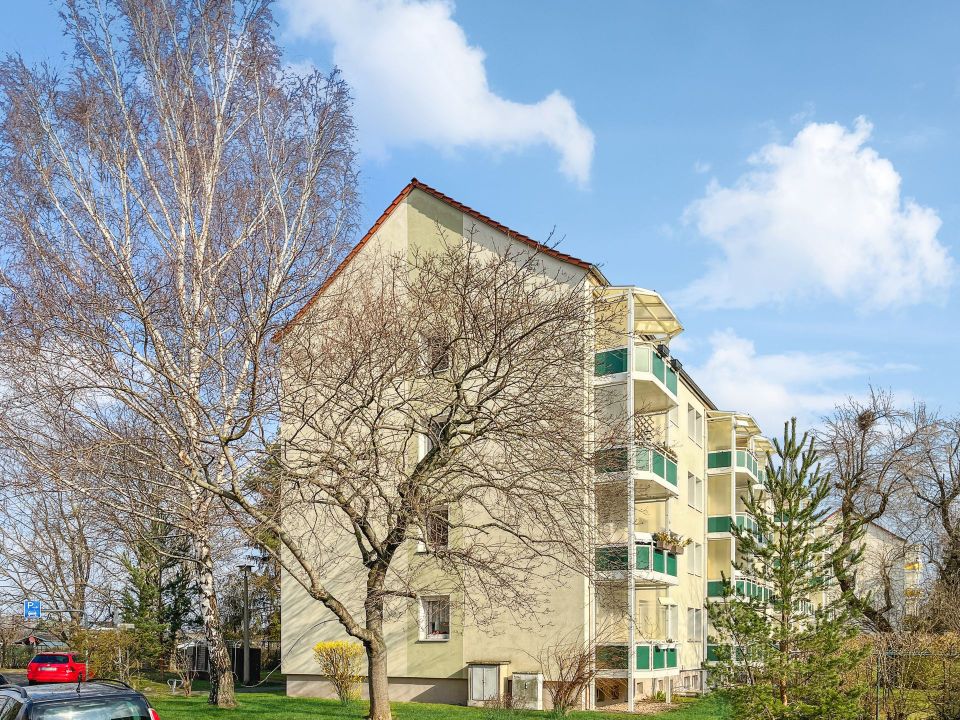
(719, 523)
(671, 564)
(610, 362)
(643, 557)
(671, 472)
(643, 657)
(718, 459)
(610, 460)
(659, 465)
(715, 588)
(612, 657)
(671, 381)
(664, 658)
(611, 558)
(659, 368)
(714, 653)
(659, 561)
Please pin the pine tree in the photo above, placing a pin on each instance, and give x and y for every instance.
(785, 654)
(157, 598)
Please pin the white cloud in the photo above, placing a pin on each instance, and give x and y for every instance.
(822, 216)
(416, 79)
(701, 168)
(775, 387)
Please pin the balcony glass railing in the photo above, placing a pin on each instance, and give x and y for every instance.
(646, 360)
(656, 657)
(723, 459)
(649, 656)
(716, 653)
(645, 460)
(743, 587)
(648, 557)
(724, 524)
(612, 657)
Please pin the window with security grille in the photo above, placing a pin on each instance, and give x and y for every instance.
(438, 528)
(435, 618)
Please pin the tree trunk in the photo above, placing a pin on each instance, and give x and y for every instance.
(221, 674)
(377, 683)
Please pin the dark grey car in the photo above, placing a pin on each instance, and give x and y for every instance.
(96, 700)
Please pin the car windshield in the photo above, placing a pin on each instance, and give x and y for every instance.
(129, 708)
(52, 659)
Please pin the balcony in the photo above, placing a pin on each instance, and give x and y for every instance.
(652, 657)
(722, 652)
(721, 526)
(654, 473)
(748, 470)
(653, 567)
(655, 381)
(656, 656)
(744, 588)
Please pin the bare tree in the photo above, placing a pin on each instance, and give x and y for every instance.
(869, 447)
(434, 436)
(54, 547)
(166, 204)
(935, 482)
(569, 666)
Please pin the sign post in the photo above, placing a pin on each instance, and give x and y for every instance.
(32, 610)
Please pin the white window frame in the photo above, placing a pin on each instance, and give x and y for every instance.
(695, 625)
(699, 428)
(695, 492)
(425, 636)
(691, 421)
(694, 558)
(671, 622)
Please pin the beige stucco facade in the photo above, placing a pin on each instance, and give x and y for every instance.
(681, 471)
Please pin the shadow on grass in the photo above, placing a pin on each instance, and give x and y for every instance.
(275, 705)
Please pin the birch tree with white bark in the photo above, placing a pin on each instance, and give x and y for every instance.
(169, 198)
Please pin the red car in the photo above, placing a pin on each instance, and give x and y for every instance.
(57, 667)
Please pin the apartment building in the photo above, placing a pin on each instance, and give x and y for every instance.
(666, 501)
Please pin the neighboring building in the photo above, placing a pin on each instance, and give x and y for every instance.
(681, 472)
(889, 564)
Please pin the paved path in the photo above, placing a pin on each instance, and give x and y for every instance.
(16, 676)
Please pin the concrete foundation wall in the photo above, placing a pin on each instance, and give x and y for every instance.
(448, 691)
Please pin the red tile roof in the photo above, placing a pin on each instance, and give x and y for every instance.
(415, 184)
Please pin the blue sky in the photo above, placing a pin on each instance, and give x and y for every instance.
(786, 174)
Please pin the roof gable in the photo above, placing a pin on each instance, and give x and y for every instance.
(415, 184)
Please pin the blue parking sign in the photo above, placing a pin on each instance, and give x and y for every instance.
(32, 609)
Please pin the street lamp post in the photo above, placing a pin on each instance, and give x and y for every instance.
(245, 569)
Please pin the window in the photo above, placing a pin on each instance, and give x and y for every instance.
(436, 355)
(695, 625)
(670, 616)
(695, 558)
(435, 618)
(437, 528)
(695, 425)
(695, 492)
(428, 440)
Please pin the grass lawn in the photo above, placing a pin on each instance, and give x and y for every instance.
(275, 705)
